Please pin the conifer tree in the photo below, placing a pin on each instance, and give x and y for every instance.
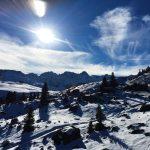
(11, 97)
(44, 94)
(29, 121)
(99, 114)
(23, 97)
(113, 81)
(104, 84)
(90, 127)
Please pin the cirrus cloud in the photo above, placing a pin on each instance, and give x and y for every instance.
(112, 27)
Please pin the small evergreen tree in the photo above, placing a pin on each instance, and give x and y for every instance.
(11, 97)
(99, 114)
(30, 97)
(29, 121)
(113, 81)
(23, 97)
(44, 94)
(104, 84)
(90, 127)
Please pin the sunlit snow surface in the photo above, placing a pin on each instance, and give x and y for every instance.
(53, 117)
(18, 87)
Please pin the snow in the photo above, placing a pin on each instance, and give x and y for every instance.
(145, 78)
(54, 116)
(18, 87)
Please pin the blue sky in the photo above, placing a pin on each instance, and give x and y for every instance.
(97, 36)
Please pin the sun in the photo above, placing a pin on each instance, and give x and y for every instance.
(45, 35)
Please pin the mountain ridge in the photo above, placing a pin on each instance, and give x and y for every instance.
(54, 80)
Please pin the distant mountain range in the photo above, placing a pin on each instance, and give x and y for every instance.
(55, 81)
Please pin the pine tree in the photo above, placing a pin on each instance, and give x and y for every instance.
(99, 114)
(30, 97)
(11, 97)
(29, 121)
(90, 127)
(113, 81)
(104, 84)
(44, 94)
(23, 97)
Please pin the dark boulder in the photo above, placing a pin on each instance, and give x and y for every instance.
(74, 107)
(66, 135)
(145, 107)
(138, 131)
(14, 121)
(74, 93)
(92, 98)
(147, 134)
(136, 126)
(115, 129)
(98, 126)
(126, 116)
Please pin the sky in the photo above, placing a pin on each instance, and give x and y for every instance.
(97, 36)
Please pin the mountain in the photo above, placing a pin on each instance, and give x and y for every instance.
(55, 81)
(141, 78)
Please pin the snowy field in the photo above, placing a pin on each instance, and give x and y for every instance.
(18, 87)
(54, 116)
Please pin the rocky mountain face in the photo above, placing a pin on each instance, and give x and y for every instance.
(55, 81)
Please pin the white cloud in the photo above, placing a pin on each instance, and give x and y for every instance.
(16, 56)
(31, 59)
(146, 18)
(120, 39)
(112, 27)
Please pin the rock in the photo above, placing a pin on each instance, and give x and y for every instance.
(115, 129)
(49, 121)
(73, 107)
(147, 134)
(66, 135)
(99, 126)
(126, 116)
(39, 120)
(145, 107)
(14, 121)
(137, 131)
(74, 93)
(91, 98)
(5, 143)
(136, 126)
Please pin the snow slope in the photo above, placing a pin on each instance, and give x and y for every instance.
(145, 78)
(55, 116)
(18, 87)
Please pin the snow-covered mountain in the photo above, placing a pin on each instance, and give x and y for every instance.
(55, 81)
(141, 79)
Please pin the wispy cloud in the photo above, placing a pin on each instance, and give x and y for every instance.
(146, 18)
(119, 38)
(27, 58)
(112, 27)
(32, 59)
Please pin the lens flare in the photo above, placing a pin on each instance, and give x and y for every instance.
(39, 7)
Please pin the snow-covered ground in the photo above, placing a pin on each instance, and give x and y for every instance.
(18, 87)
(145, 78)
(54, 116)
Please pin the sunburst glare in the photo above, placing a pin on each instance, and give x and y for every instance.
(45, 35)
(39, 7)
